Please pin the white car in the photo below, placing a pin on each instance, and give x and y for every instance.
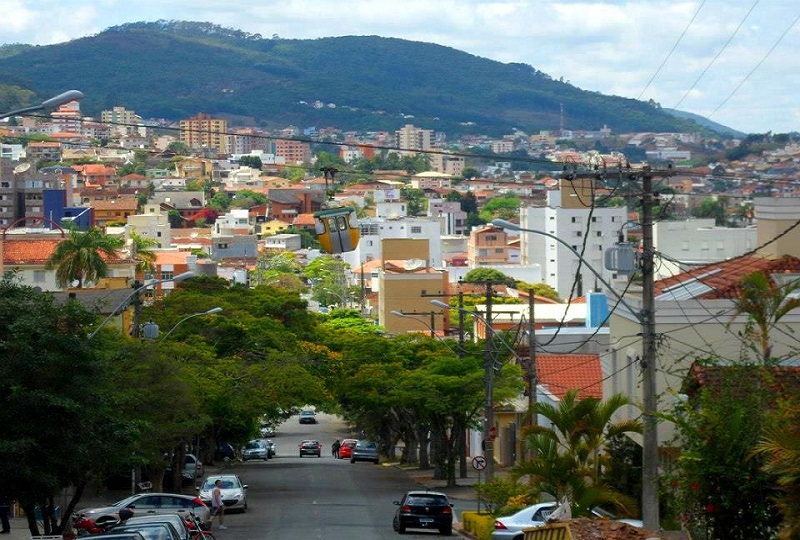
(234, 493)
(511, 527)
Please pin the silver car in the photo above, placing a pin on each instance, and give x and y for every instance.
(173, 519)
(511, 527)
(365, 451)
(151, 503)
(234, 492)
(256, 449)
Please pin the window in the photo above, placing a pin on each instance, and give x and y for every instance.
(416, 229)
(38, 276)
(579, 234)
(222, 246)
(158, 234)
(167, 274)
(490, 238)
(498, 250)
(599, 233)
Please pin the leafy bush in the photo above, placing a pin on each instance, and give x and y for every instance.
(503, 496)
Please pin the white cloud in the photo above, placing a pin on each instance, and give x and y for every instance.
(610, 46)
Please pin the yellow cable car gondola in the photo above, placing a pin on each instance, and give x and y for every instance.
(337, 229)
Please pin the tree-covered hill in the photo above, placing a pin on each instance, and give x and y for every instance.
(175, 69)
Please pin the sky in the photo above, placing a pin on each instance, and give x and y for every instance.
(736, 62)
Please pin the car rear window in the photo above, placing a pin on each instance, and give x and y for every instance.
(426, 501)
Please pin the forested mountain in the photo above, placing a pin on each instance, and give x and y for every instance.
(176, 69)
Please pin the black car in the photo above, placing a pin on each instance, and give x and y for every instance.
(310, 448)
(424, 510)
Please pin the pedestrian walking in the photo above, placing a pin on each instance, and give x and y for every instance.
(217, 506)
(335, 449)
(5, 510)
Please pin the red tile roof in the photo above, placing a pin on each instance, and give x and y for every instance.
(34, 251)
(564, 372)
(724, 278)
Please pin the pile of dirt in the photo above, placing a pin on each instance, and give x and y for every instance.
(604, 529)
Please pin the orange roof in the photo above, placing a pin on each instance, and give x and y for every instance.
(564, 372)
(171, 257)
(19, 251)
(120, 203)
(44, 144)
(304, 219)
(723, 280)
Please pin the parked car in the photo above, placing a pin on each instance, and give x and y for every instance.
(193, 467)
(150, 531)
(365, 451)
(308, 417)
(346, 448)
(511, 527)
(267, 430)
(151, 503)
(173, 519)
(128, 535)
(234, 492)
(310, 447)
(255, 449)
(423, 510)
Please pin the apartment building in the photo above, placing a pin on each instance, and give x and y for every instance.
(374, 230)
(295, 152)
(579, 228)
(204, 131)
(487, 246)
(447, 164)
(410, 137)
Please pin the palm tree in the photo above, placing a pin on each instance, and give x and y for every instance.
(140, 248)
(82, 256)
(566, 456)
(765, 304)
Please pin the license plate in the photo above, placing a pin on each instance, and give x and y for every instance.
(425, 520)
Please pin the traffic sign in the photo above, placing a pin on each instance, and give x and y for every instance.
(479, 463)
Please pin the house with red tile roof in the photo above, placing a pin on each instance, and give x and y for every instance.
(696, 317)
(27, 255)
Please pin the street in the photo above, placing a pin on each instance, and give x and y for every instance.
(291, 497)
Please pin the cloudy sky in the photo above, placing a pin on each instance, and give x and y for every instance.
(736, 62)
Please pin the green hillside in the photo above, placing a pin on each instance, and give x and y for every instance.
(175, 69)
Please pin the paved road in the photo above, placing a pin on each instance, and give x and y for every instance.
(317, 498)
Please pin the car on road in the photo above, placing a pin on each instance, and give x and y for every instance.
(310, 447)
(346, 448)
(308, 417)
(150, 503)
(173, 519)
(193, 467)
(255, 449)
(424, 510)
(225, 452)
(129, 535)
(234, 492)
(365, 451)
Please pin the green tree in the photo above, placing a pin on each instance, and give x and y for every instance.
(254, 162)
(141, 250)
(566, 458)
(482, 275)
(57, 399)
(178, 147)
(82, 256)
(504, 207)
(713, 208)
(539, 289)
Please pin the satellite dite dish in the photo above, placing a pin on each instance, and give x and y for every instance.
(21, 168)
(413, 264)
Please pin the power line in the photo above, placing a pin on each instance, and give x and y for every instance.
(758, 65)
(736, 31)
(675, 46)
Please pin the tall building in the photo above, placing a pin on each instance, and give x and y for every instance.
(204, 131)
(293, 151)
(124, 121)
(410, 137)
(591, 231)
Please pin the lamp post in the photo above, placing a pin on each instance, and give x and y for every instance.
(488, 379)
(55, 101)
(431, 326)
(135, 294)
(177, 324)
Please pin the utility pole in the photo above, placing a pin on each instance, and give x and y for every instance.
(533, 378)
(650, 510)
(137, 310)
(462, 443)
(488, 379)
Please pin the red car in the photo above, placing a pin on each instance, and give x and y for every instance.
(346, 449)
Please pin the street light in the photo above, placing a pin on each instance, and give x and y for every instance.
(135, 293)
(209, 312)
(488, 379)
(55, 101)
(430, 326)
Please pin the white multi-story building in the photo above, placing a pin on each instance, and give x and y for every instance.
(410, 137)
(683, 245)
(375, 229)
(576, 225)
(154, 226)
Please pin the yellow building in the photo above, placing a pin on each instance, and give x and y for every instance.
(202, 130)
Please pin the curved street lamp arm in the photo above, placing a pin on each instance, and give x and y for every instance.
(179, 277)
(55, 101)
(177, 324)
(503, 224)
